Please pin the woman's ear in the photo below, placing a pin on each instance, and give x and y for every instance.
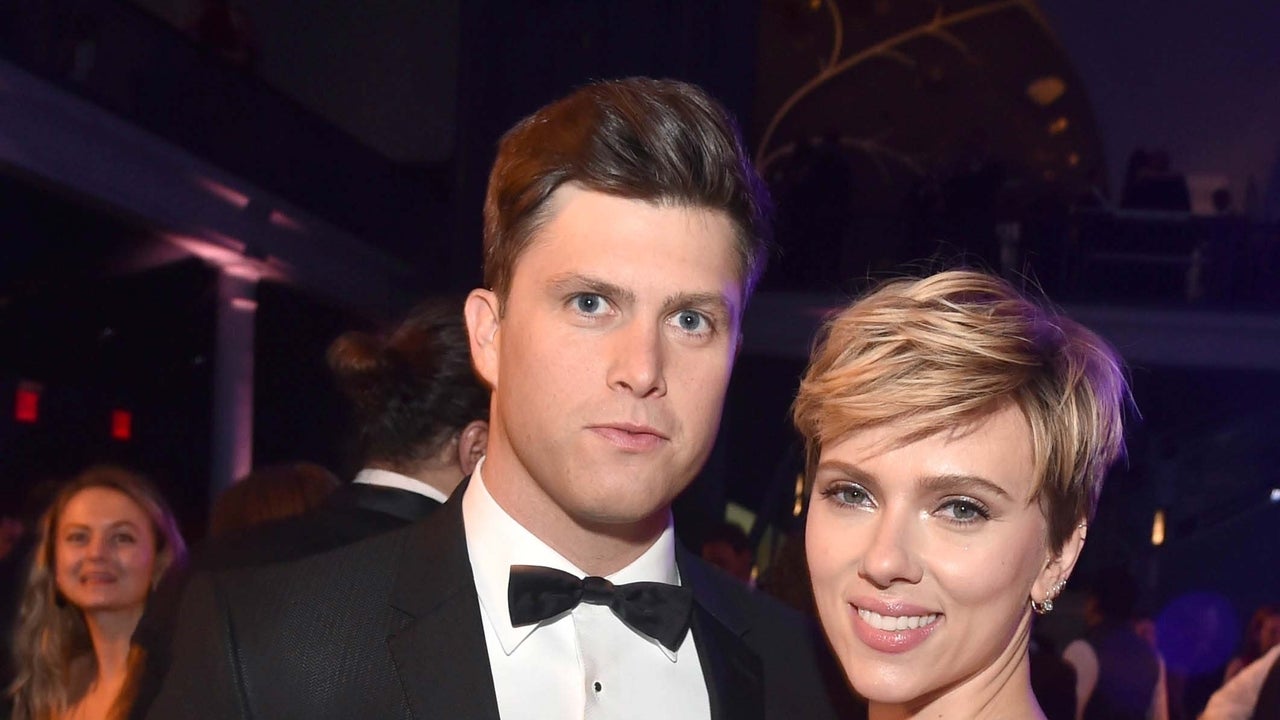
(1058, 567)
(483, 313)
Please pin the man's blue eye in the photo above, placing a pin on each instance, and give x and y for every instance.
(691, 321)
(589, 304)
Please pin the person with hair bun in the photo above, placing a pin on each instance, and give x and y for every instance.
(421, 413)
(105, 542)
(957, 438)
(421, 424)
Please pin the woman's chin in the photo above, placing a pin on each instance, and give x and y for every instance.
(883, 690)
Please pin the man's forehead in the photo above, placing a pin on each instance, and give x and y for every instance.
(703, 219)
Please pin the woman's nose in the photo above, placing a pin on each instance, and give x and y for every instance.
(890, 556)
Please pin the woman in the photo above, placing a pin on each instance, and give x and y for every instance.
(105, 542)
(1262, 634)
(957, 437)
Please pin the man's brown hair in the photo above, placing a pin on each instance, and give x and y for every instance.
(661, 141)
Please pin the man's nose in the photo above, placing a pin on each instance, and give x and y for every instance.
(636, 365)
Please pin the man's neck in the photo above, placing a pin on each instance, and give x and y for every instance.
(600, 549)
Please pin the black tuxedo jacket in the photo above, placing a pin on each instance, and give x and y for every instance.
(351, 513)
(391, 628)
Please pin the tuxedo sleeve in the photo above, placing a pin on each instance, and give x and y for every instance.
(204, 680)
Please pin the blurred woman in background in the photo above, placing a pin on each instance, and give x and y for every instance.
(1262, 634)
(105, 542)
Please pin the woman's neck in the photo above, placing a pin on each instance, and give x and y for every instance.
(110, 631)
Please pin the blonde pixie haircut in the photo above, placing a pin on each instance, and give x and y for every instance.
(943, 352)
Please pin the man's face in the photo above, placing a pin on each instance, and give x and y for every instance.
(609, 362)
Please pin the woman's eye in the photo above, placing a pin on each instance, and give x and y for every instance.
(590, 304)
(847, 494)
(125, 538)
(964, 511)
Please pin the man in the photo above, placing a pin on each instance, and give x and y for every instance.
(421, 422)
(624, 230)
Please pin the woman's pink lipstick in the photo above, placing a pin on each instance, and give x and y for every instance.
(891, 627)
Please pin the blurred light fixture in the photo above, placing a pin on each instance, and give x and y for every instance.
(283, 220)
(121, 424)
(225, 193)
(1157, 529)
(1275, 495)
(1045, 91)
(799, 491)
(1059, 125)
(1073, 159)
(26, 403)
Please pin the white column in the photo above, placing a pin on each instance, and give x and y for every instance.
(232, 442)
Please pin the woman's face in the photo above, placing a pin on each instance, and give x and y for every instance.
(924, 557)
(104, 551)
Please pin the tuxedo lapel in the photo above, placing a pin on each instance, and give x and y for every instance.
(732, 670)
(440, 653)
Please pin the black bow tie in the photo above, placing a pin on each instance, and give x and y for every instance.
(659, 610)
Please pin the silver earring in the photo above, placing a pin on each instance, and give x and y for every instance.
(1046, 607)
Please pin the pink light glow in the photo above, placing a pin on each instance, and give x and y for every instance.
(227, 194)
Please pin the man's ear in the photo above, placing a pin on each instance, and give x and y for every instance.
(483, 314)
(472, 442)
(1058, 568)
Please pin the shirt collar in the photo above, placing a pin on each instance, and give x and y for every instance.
(387, 478)
(495, 542)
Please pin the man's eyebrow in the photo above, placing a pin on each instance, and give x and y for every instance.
(579, 283)
(713, 302)
(959, 482)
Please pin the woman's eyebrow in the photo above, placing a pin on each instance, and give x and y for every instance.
(960, 482)
(852, 472)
